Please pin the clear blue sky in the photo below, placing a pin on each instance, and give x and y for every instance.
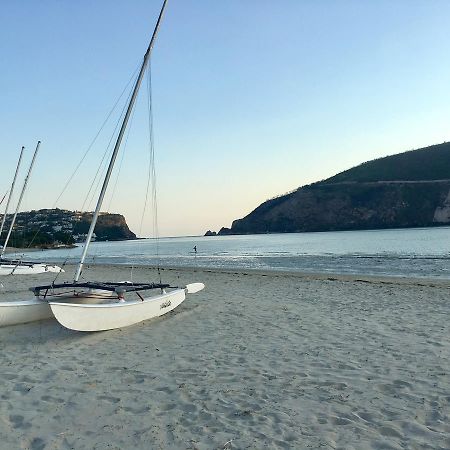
(252, 98)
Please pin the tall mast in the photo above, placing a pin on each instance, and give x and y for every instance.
(118, 142)
(20, 199)
(11, 191)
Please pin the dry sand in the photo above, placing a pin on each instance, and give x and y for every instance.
(256, 361)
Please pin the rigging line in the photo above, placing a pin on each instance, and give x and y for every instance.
(108, 209)
(62, 267)
(68, 237)
(100, 169)
(144, 208)
(133, 76)
(104, 155)
(150, 162)
(97, 135)
(95, 181)
(121, 159)
(152, 170)
(102, 163)
(91, 191)
(3, 198)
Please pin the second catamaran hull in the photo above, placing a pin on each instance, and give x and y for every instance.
(16, 312)
(28, 269)
(108, 316)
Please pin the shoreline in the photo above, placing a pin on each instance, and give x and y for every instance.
(283, 273)
(324, 276)
(272, 271)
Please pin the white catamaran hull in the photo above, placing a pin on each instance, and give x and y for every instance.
(107, 316)
(28, 269)
(16, 312)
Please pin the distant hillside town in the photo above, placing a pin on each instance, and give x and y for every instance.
(50, 228)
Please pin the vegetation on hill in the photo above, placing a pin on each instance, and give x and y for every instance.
(429, 163)
(39, 239)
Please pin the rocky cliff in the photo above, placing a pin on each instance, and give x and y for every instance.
(411, 189)
(109, 227)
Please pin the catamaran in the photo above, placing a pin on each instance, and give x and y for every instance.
(18, 266)
(93, 305)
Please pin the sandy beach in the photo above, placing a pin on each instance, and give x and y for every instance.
(255, 361)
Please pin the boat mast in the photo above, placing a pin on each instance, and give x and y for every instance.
(11, 191)
(118, 142)
(20, 199)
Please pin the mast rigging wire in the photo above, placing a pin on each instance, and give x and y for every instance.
(3, 198)
(152, 170)
(96, 136)
(103, 163)
(133, 77)
(121, 159)
(151, 177)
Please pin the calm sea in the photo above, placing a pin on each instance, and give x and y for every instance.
(419, 252)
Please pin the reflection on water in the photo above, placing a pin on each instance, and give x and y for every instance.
(420, 252)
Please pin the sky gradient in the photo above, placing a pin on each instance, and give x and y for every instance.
(251, 98)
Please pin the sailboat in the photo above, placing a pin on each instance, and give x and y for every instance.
(97, 306)
(18, 266)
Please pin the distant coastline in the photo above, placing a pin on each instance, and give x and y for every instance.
(37, 249)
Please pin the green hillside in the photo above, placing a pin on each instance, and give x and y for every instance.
(429, 163)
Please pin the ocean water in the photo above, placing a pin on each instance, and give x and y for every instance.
(418, 252)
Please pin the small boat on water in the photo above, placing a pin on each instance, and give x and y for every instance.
(94, 305)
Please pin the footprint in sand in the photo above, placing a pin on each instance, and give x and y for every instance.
(109, 399)
(389, 431)
(37, 444)
(16, 421)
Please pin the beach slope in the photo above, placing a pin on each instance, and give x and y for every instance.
(256, 360)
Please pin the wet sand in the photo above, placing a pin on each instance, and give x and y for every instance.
(256, 360)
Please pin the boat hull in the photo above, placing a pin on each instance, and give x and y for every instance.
(28, 269)
(108, 316)
(17, 312)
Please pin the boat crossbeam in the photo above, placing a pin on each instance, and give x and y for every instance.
(104, 286)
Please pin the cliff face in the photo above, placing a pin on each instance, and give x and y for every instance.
(109, 227)
(369, 196)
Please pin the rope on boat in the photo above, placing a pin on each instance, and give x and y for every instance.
(3, 198)
(133, 77)
(18, 260)
(98, 134)
(62, 267)
(104, 162)
(150, 191)
(152, 170)
(121, 159)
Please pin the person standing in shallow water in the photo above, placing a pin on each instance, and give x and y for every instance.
(195, 249)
